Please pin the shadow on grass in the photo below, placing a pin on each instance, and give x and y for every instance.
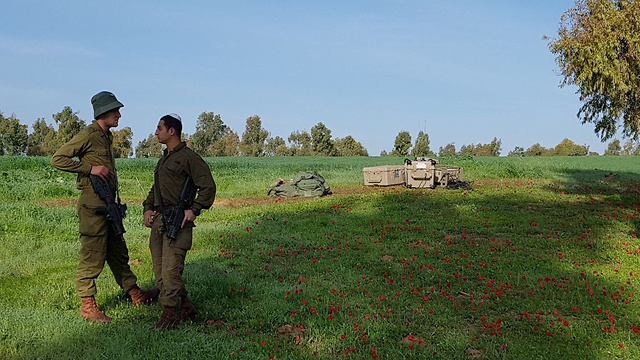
(523, 271)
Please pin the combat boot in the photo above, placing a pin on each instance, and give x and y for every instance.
(187, 310)
(169, 319)
(91, 312)
(139, 296)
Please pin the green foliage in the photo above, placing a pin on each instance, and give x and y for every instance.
(447, 150)
(321, 143)
(69, 124)
(597, 49)
(348, 146)
(491, 149)
(568, 148)
(122, 143)
(631, 148)
(213, 137)
(13, 136)
(149, 148)
(276, 147)
(300, 143)
(402, 144)
(40, 142)
(613, 148)
(537, 150)
(253, 138)
(517, 151)
(421, 148)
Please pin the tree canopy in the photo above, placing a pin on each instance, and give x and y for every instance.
(254, 137)
(13, 136)
(149, 148)
(598, 50)
(122, 143)
(421, 148)
(402, 144)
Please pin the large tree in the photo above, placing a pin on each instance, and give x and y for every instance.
(149, 148)
(447, 150)
(348, 146)
(300, 143)
(537, 150)
(69, 124)
(13, 136)
(122, 143)
(421, 148)
(210, 129)
(254, 137)
(321, 142)
(598, 50)
(276, 146)
(567, 147)
(613, 148)
(402, 144)
(40, 142)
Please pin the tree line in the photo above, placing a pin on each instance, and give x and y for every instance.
(213, 137)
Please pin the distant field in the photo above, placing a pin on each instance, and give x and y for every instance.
(538, 259)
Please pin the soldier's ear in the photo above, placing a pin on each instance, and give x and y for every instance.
(171, 131)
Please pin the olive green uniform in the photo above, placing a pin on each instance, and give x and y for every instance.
(98, 243)
(169, 256)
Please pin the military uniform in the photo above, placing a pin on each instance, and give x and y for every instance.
(168, 256)
(92, 146)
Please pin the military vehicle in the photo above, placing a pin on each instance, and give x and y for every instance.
(419, 173)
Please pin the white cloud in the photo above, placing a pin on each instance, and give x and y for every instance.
(28, 47)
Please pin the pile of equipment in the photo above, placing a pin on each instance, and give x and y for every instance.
(419, 173)
(305, 184)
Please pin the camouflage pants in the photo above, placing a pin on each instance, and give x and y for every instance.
(168, 262)
(98, 245)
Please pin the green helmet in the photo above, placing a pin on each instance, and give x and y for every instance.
(103, 102)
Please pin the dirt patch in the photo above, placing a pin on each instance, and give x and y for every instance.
(59, 203)
(253, 201)
(135, 262)
(413, 340)
(289, 329)
(387, 258)
(250, 201)
(475, 353)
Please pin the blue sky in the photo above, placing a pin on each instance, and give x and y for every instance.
(464, 71)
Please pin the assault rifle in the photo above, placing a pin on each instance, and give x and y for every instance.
(114, 212)
(174, 219)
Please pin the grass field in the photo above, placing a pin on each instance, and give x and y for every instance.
(538, 260)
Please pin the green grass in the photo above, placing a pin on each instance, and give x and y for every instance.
(538, 261)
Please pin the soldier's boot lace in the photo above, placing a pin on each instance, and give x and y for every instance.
(143, 297)
(91, 312)
(187, 310)
(169, 319)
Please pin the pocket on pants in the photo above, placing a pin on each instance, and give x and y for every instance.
(184, 238)
(91, 224)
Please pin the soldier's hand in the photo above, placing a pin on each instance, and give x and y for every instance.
(101, 171)
(188, 216)
(148, 218)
